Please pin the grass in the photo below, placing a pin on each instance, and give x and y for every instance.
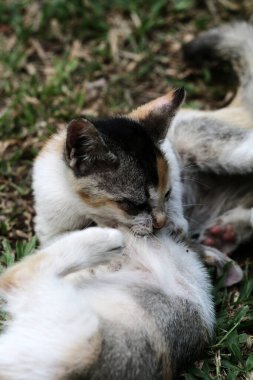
(64, 58)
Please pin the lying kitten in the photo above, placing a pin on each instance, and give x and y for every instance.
(216, 147)
(147, 320)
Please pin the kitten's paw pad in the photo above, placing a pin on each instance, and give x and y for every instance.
(226, 233)
(229, 230)
(220, 236)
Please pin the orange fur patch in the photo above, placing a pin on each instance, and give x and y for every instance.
(8, 280)
(101, 202)
(143, 112)
(54, 144)
(20, 273)
(95, 201)
(162, 170)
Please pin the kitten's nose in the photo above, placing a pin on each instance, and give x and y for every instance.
(159, 220)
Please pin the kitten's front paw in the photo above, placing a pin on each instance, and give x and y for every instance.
(177, 227)
(104, 239)
(115, 239)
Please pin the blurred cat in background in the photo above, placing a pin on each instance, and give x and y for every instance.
(216, 147)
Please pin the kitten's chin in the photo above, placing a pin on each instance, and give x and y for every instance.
(135, 229)
(140, 230)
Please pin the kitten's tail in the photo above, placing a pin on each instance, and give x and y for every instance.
(232, 43)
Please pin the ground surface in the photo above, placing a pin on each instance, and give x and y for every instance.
(60, 59)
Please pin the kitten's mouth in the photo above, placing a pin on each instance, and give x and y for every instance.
(141, 230)
(142, 233)
(138, 230)
(113, 224)
(135, 229)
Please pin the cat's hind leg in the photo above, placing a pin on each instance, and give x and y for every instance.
(211, 144)
(220, 141)
(229, 230)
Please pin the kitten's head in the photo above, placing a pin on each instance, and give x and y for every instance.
(120, 171)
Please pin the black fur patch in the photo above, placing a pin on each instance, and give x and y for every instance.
(126, 136)
(202, 48)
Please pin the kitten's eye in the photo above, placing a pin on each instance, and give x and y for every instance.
(133, 208)
(167, 195)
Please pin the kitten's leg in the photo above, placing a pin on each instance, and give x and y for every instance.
(229, 230)
(177, 224)
(81, 249)
(214, 257)
(212, 144)
(86, 248)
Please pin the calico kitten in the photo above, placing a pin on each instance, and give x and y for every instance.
(216, 147)
(71, 319)
(79, 308)
(115, 172)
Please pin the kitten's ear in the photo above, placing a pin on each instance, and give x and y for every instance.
(156, 115)
(85, 148)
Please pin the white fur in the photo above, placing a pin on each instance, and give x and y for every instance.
(58, 207)
(182, 116)
(174, 206)
(241, 155)
(53, 315)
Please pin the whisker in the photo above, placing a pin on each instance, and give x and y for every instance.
(189, 166)
(191, 219)
(189, 177)
(197, 181)
(194, 204)
(156, 238)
